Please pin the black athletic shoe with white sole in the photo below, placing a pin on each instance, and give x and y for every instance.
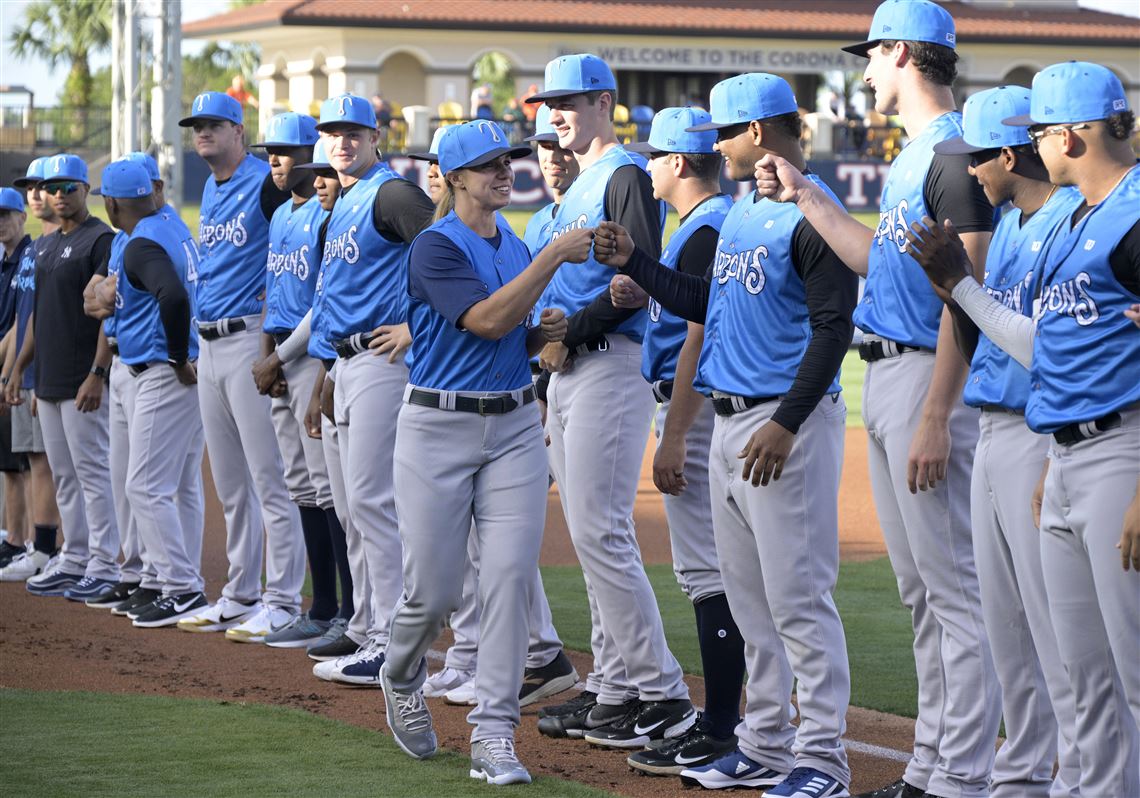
(169, 610)
(694, 748)
(119, 593)
(139, 598)
(583, 699)
(550, 679)
(652, 720)
(587, 716)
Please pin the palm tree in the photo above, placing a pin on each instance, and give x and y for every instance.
(66, 32)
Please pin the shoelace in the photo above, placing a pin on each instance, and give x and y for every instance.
(698, 729)
(631, 715)
(501, 751)
(85, 582)
(798, 777)
(580, 701)
(413, 711)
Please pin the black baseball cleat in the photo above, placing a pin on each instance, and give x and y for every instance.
(119, 593)
(589, 716)
(692, 749)
(343, 646)
(138, 598)
(651, 720)
(585, 698)
(900, 789)
(551, 679)
(169, 610)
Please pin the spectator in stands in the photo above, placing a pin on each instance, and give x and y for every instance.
(481, 102)
(529, 109)
(383, 110)
(238, 91)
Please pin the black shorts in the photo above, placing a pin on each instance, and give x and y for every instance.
(9, 461)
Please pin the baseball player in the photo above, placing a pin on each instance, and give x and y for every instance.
(72, 357)
(153, 311)
(27, 437)
(469, 447)
(921, 436)
(778, 408)
(595, 452)
(14, 465)
(291, 275)
(238, 201)
(1009, 456)
(363, 301)
(686, 174)
(1081, 347)
(559, 170)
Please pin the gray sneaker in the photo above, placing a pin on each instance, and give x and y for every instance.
(408, 718)
(495, 762)
(300, 632)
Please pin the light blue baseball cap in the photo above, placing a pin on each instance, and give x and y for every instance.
(908, 21)
(148, 163)
(65, 166)
(543, 130)
(575, 74)
(213, 105)
(432, 154)
(982, 127)
(125, 179)
(290, 130)
(1071, 92)
(743, 98)
(34, 174)
(347, 109)
(320, 158)
(473, 144)
(11, 200)
(673, 130)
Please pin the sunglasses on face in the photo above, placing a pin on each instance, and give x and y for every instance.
(70, 187)
(984, 156)
(1035, 136)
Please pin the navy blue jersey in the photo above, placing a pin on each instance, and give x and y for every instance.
(1086, 350)
(292, 265)
(8, 283)
(24, 282)
(1013, 273)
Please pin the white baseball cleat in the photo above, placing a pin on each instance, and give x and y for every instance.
(265, 621)
(463, 695)
(441, 682)
(219, 617)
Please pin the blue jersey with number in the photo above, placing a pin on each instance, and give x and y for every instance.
(1086, 350)
(141, 336)
(898, 302)
(665, 332)
(757, 327)
(449, 359)
(24, 283)
(584, 205)
(292, 265)
(364, 276)
(1013, 272)
(232, 236)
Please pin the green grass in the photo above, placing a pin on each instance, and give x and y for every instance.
(879, 635)
(92, 745)
(851, 379)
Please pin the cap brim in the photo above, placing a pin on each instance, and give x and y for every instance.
(24, 182)
(551, 137)
(956, 146)
(860, 49)
(327, 125)
(268, 144)
(715, 126)
(642, 147)
(314, 166)
(430, 157)
(1024, 120)
(553, 94)
(514, 152)
(11, 208)
(190, 120)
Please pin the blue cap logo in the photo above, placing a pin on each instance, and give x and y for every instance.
(34, 174)
(743, 98)
(125, 179)
(347, 109)
(1072, 92)
(910, 21)
(491, 129)
(982, 127)
(65, 167)
(290, 130)
(213, 105)
(674, 130)
(575, 74)
(474, 144)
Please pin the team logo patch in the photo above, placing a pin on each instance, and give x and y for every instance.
(66, 252)
(1035, 246)
(200, 103)
(492, 129)
(949, 38)
(345, 102)
(1119, 105)
(1089, 244)
(994, 136)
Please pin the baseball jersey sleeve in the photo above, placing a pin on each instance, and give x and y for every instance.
(1125, 261)
(149, 268)
(951, 192)
(401, 211)
(440, 275)
(272, 197)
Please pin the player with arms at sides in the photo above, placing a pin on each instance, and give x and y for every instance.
(1037, 701)
(778, 409)
(921, 437)
(237, 204)
(27, 436)
(72, 357)
(1081, 348)
(154, 311)
(363, 300)
(686, 174)
(470, 457)
(636, 692)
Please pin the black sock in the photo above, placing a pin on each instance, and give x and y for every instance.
(322, 567)
(340, 552)
(722, 657)
(45, 538)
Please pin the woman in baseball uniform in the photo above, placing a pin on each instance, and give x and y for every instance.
(469, 445)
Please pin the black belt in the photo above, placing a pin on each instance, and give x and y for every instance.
(599, 344)
(213, 330)
(281, 337)
(1085, 430)
(328, 363)
(1002, 409)
(113, 345)
(731, 405)
(139, 368)
(354, 344)
(870, 351)
(663, 390)
(483, 405)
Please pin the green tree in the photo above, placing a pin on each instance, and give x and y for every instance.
(495, 68)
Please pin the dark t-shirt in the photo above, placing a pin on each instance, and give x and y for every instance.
(66, 337)
(8, 269)
(951, 192)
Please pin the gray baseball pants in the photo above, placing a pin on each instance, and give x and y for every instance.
(1094, 602)
(778, 547)
(306, 475)
(121, 399)
(452, 468)
(78, 450)
(248, 474)
(1037, 702)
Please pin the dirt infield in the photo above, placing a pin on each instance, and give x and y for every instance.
(52, 644)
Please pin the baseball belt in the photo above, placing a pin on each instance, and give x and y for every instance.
(873, 349)
(1086, 430)
(662, 390)
(491, 405)
(353, 345)
(725, 405)
(213, 330)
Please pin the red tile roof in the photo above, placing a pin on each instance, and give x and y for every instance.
(835, 19)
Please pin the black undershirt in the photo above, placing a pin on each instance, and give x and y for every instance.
(951, 192)
(148, 268)
(400, 211)
(1125, 258)
(830, 290)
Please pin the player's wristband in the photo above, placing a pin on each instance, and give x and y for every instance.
(99, 371)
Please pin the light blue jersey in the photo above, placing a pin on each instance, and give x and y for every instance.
(898, 302)
(232, 237)
(539, 229)
(757, 327)
(1013, 273)
(292, 265)
(665, 332)
(114, 267)
(1086, 350)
